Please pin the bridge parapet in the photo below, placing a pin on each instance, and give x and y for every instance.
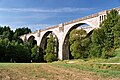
(103, 12)
(81, 19)
(50, 28)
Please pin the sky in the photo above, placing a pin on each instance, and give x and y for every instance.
(40, 14)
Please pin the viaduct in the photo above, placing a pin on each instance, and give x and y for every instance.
(62, 31)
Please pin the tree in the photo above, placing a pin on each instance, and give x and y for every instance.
(103, 39)
(22, 53)
(50, 50)
(31, 41)
(107, 26)
(6, 32)
(76, 48)
(12, 50)
(116, 32)
(77, 35)
(37, 54)
(86, 43)
(20, 31)
(97, 43)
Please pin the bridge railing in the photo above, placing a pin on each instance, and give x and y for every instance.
(81, 19)
(50, 28)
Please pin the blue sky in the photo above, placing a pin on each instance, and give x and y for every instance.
(39, 14)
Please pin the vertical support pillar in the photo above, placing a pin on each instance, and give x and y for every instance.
(63, 53)
(38, 33)
(60, 52)
(60, 40)
(38, 37)
(25, 38)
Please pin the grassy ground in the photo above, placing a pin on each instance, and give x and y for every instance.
(66, 70)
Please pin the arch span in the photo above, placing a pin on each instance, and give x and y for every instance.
(65, 45)
(32, 40)
(43, 42)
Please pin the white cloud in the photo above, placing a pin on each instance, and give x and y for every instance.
(33, 27)
(66, 9)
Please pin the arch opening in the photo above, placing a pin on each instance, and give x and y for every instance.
(44, 40)
(66, 45)
(31, 40)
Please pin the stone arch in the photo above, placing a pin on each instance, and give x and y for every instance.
(44, 38)
(65, 44)
(88, 34)
(32, 39)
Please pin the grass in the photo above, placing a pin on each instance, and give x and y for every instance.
(101, 72)
(19, 71)
(90, 69)
(61, 70)
(115, 59)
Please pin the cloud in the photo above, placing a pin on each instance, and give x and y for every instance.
(63, 10)
(33, 27)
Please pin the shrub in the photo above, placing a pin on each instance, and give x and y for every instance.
(49, 57)
(76, 55)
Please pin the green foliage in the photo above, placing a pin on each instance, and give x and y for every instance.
(99, 69)
(117, 52)
(77, 35)
(11, 49)
(116, 58)
(97, 43)
(50, 45)
(97, 37)
(50, 50)
(116, 31)
(107, 26)
(22, 53)
(101, 43)
(49, 57)
(6, 32)
(76, 48)
(95, 51)
(37, 55)
(22, 31)
(86, 42)
(31, 42)
(106, 38)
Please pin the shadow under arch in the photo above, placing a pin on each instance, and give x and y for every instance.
(44, 39)
(90, 33)
(32, 40)
(66, 44)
